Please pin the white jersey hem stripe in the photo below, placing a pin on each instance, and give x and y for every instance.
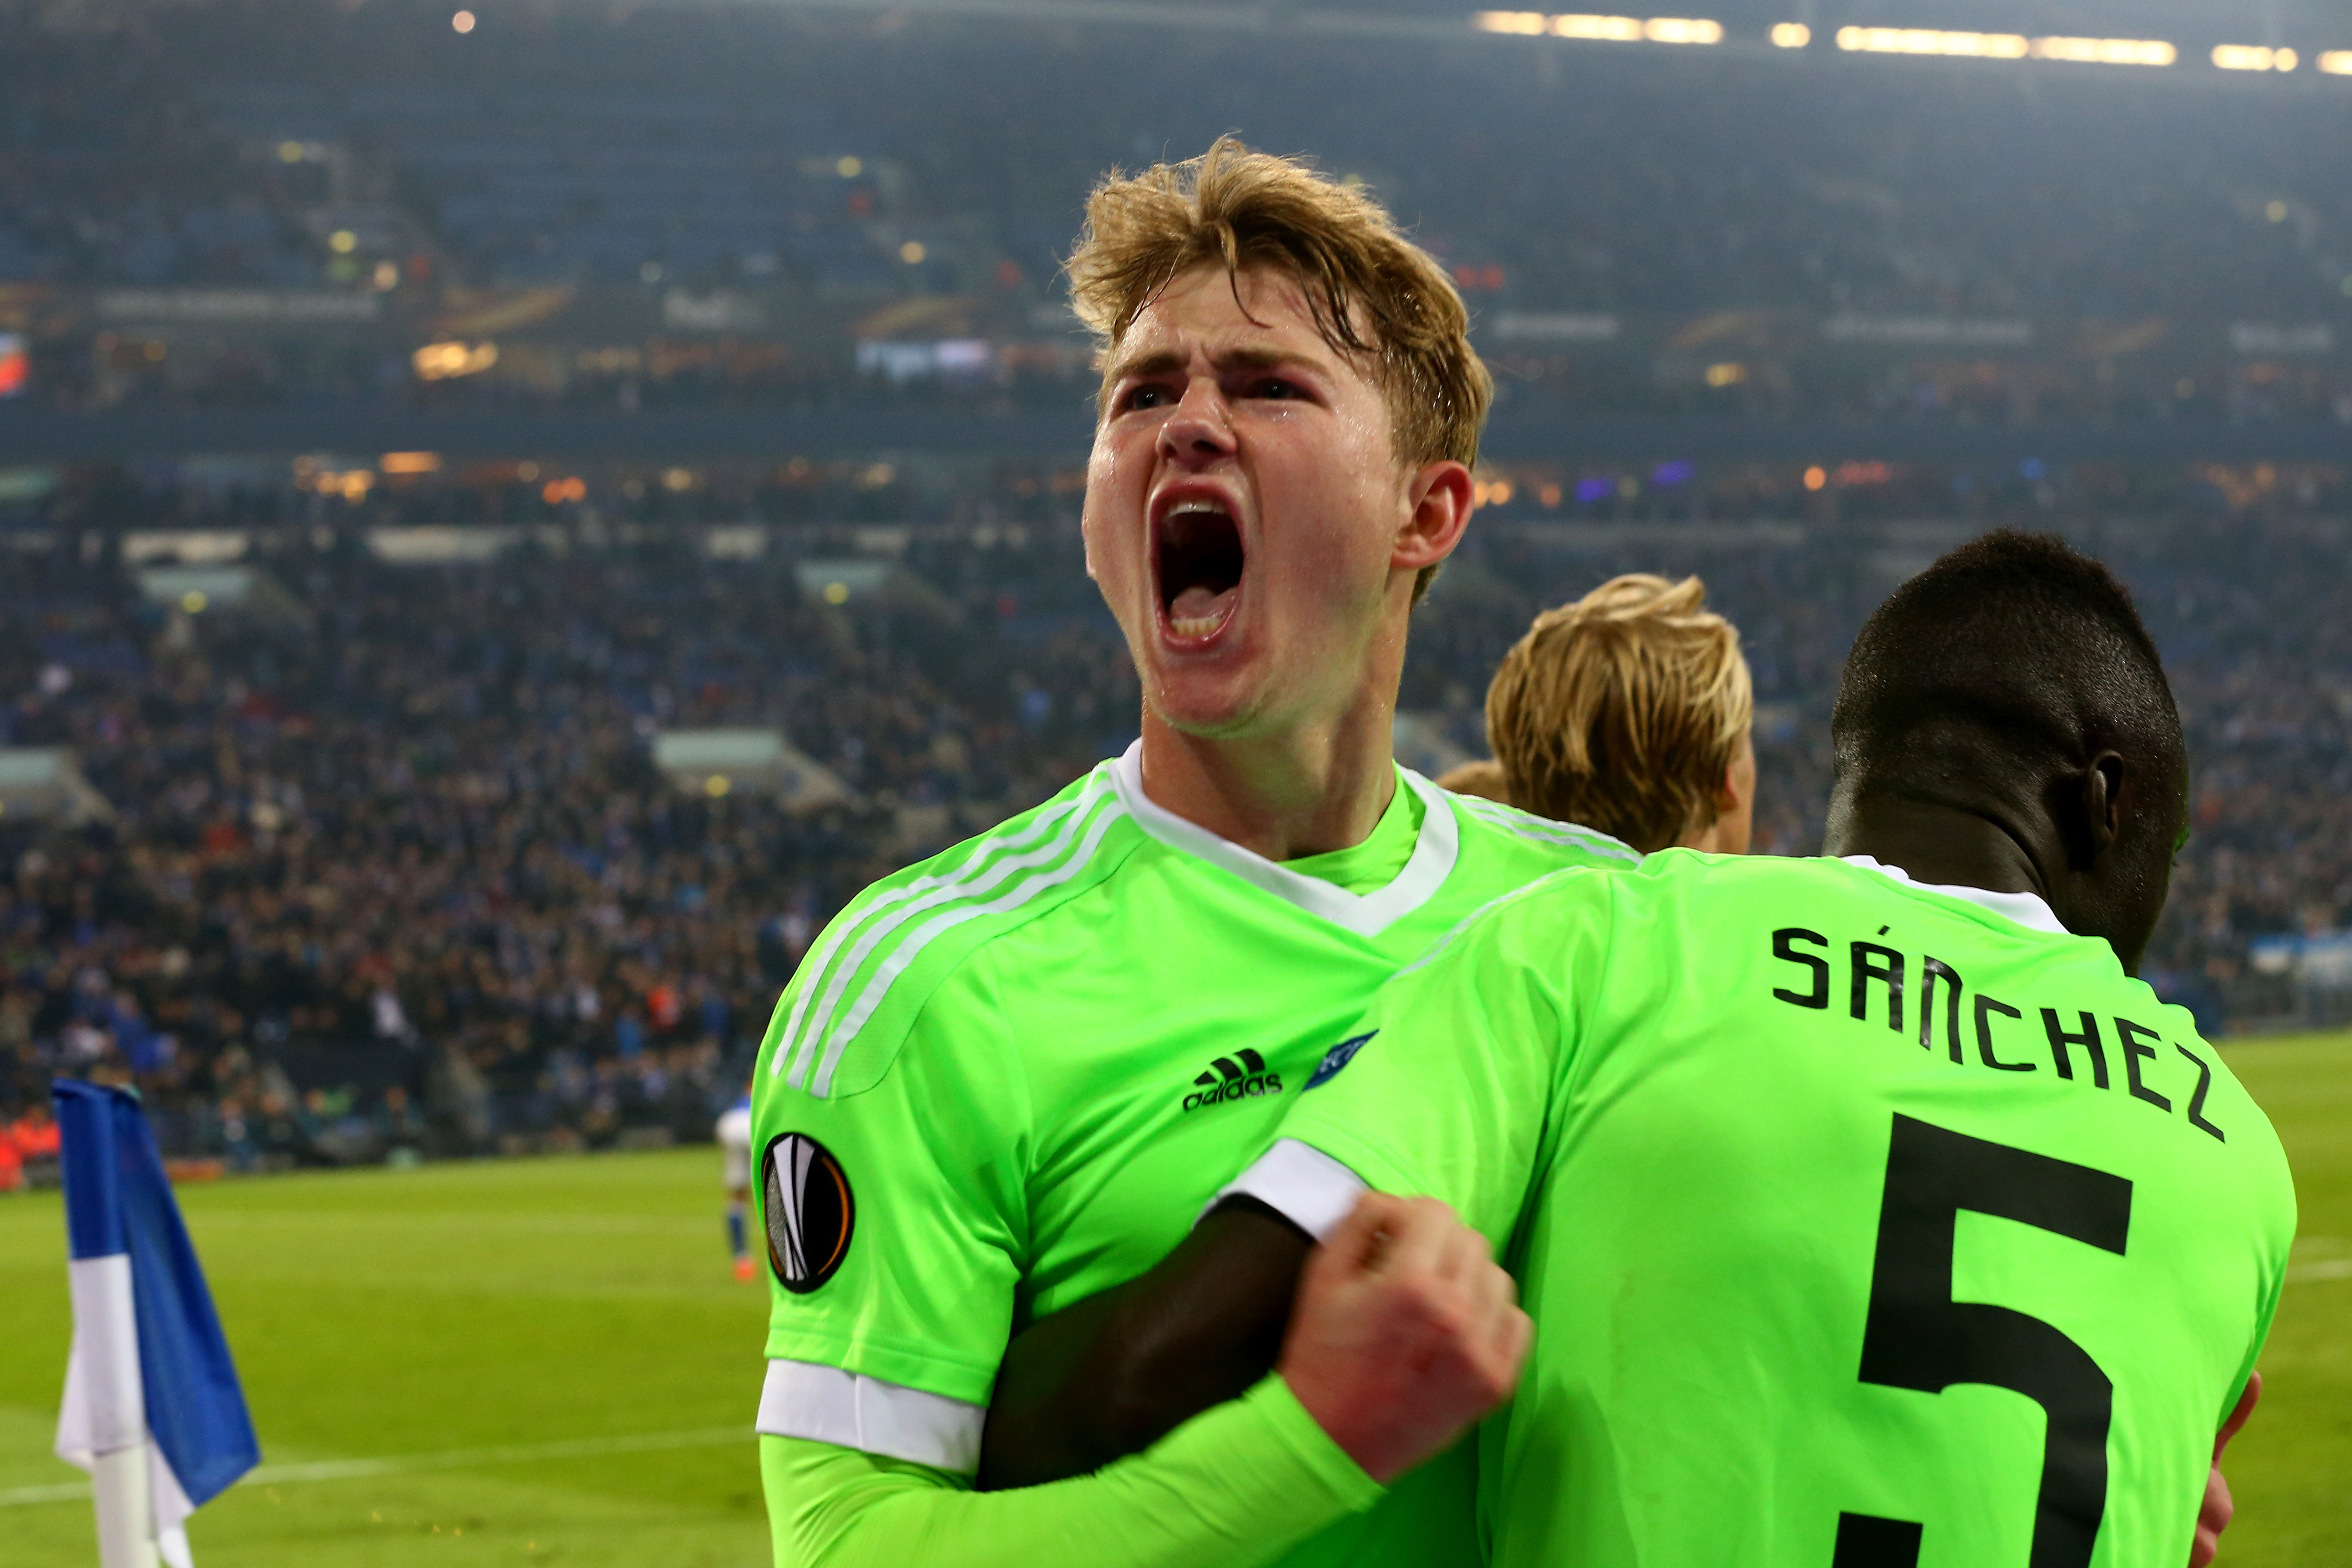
(825, 1405)
(1302, 1184)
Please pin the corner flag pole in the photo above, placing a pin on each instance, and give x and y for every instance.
(102, 1388)
(152, 1407)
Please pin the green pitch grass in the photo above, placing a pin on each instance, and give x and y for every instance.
(578, 1314)
(2292, 1467)
(548, 1362)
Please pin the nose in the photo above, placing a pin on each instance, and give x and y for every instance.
(1199, 429)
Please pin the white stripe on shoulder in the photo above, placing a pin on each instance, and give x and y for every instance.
(1492, 905)
(1544, 830)
(841, 932)
(849, 1410)
(931, 930)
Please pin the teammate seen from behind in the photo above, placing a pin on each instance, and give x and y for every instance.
(1010, 1077)
(1630, 711)
(1870, 1211)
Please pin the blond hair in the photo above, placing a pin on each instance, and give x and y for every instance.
(1376, 297)
(1623, 711)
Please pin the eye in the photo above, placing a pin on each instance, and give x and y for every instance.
(1145, 396)
(1276, 388)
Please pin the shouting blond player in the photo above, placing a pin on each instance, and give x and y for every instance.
(1008, 1078)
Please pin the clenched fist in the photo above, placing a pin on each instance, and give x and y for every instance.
(1404, 1334)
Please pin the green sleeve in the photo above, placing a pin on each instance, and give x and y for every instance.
(1234, 1487)
(1448, 1095)
(933, 1158)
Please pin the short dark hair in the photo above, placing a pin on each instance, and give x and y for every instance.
(2014, 639)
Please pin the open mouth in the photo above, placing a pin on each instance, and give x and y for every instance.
(1200, 562)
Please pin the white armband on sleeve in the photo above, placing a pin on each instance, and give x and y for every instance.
(1302, 1184)
(827, 1405)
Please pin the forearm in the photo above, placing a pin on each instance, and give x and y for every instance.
(1237, 1486)
(1112, 1375)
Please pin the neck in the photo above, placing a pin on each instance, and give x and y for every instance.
(1304, 790)
(1940, 844)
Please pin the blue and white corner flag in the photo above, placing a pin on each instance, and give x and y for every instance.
(152, 1409)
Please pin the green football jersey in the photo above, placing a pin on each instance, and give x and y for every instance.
(1011, 1076)
(1861, 1222)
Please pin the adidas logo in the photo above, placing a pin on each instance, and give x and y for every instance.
(1228, 1079)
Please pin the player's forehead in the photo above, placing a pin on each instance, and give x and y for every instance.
(1260, 316)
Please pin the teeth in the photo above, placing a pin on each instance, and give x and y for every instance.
(1181, 507)
(1195, 625)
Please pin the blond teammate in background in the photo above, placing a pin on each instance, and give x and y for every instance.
(1630, 711)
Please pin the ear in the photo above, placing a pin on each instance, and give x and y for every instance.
(1727, 793)
(2103, 807)
(1439, 500)
(1086, 539)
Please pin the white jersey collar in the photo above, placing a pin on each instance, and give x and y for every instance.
(2025, 908)
(1365, 913)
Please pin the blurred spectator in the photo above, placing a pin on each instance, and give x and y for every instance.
(395, 872)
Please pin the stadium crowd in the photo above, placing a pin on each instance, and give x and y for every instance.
(414, 811)
(716, 148)
(390, 865)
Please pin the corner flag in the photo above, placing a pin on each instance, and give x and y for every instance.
(152, 1409)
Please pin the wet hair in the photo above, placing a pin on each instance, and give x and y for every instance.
(2014, 643)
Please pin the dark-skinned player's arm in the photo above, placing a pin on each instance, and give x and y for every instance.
(1405, 1333)
(1402, 1305)
(1111, 1374)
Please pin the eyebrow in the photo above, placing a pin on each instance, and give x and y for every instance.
(1166, 361)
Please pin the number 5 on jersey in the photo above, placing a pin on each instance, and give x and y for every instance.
(1916, 1336)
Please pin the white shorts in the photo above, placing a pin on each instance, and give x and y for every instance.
(734, 1132)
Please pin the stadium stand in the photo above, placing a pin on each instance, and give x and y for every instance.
(699, 206)
(338, 825)
(387, 862)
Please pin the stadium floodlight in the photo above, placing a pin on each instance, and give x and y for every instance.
(443, 362)
(2336, 62)
(1602, 29)
(2256, 58)
(1931, 41)
(1682, 30)
(1791, 35)
(1609, 29)
(2107, 51)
